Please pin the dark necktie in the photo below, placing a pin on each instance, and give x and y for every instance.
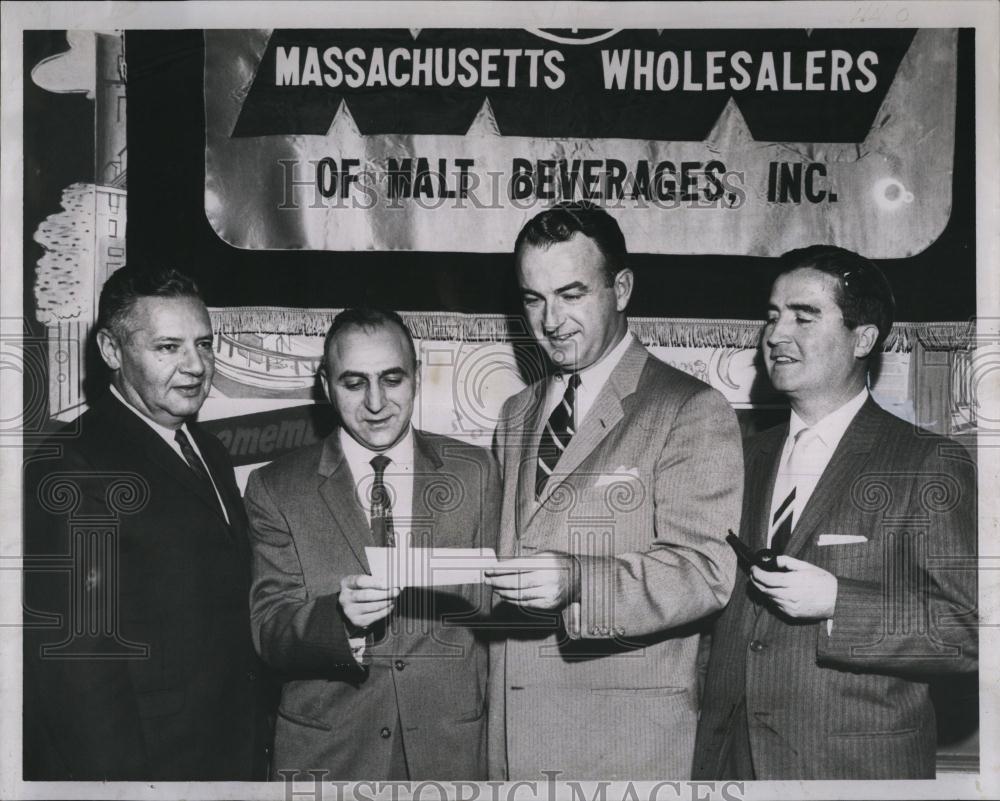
(556, 435)
(381, 505)
(195, 462)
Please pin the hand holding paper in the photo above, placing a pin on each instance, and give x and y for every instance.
(547, 580)
(429, 567)
(366, 599)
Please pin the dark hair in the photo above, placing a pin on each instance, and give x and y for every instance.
(367, 317)
(566, 219)
(127, 285)
(864, 295)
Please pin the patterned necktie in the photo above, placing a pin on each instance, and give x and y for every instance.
(381, 505)
(195, 462)
(783, 520)
(556, 435)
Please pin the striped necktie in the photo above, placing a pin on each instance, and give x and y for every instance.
(556, 435)
(783, 520)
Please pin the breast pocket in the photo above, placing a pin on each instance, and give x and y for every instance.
(860, 560)
(607, 497)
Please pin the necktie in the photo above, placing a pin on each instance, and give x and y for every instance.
(556, 435)
(381, 505)
(783, 520)
(195, 462)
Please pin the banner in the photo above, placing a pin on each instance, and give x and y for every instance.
(709, 141)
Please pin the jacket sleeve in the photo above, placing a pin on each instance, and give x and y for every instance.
(291, 630)
(688, 570)
(920, 620)
(81, 714)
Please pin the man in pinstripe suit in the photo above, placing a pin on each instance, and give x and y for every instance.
(820, 670)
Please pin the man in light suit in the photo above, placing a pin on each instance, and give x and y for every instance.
(821, 670)
(379, 684)
(622, 475)
(138, 662)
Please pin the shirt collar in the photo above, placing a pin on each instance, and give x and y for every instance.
(594, 376)
(831, 428)
(167, 434)
(359, 457)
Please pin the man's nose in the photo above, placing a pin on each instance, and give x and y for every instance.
(374, 397)
(552, 318)
(779, 331)
(194, 361)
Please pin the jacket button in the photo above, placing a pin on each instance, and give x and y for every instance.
(399, 664)
(385, 734)
(757, 646)
(251, 675)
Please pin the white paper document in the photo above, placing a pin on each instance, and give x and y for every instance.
(440, 567)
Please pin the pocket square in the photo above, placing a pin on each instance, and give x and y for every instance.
(840, 539)
(620, 474)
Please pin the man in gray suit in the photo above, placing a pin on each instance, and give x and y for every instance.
(820, 670)
(622, 474)
(379, 684)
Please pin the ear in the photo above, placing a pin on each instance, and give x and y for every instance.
(623, 288)
(416, 375)
(866, 336)
(324, 380)
(110, 349)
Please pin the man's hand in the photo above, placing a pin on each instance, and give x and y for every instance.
(804, 591)
(551, 586)
(364, 600)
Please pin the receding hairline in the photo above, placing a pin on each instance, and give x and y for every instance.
(369, 327)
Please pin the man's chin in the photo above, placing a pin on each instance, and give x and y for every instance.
(189, 407)
(380, 440)
(780, 383)
(563, 358)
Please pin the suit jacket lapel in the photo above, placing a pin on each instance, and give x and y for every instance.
(845, 465)
(338, 492)
(426, 462)
(527, 456)
(762, 471)
(222, 474)
(604, 415)
(153, 446)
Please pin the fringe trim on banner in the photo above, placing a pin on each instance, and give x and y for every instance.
(653, 331)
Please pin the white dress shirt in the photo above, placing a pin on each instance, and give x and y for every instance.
(826, 436)
(167, 435)
(398, 478)
(592, 381)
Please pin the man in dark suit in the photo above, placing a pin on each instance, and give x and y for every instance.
(379, 684)
(820, 670)
(138, 658)
(623, 474)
